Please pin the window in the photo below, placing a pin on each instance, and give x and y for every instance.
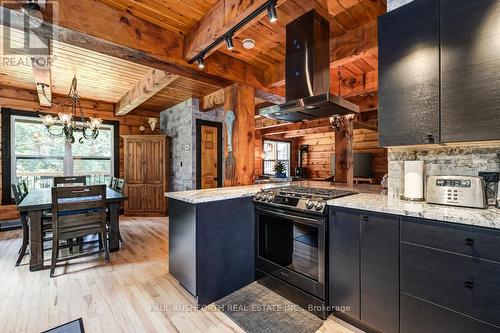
(275, 151)
(37, 157)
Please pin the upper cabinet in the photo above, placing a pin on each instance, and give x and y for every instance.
(470, 70)
(409, 74)
(438, 72)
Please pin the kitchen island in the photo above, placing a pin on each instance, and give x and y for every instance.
(212, 237)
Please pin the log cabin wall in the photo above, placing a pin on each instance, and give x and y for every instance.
(26, 100)
(322, 146)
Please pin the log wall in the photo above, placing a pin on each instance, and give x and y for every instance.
(26, 100)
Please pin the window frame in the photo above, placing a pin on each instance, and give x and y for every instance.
(289, 173)
(7, 120)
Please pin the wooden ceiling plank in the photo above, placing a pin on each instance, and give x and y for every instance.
(147, 14)
(136, 40)
(152, 83)
(223, 16)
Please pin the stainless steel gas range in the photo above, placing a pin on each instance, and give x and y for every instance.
(292, 244)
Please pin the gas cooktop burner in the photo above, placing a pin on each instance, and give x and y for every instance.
(312, 191)
(306, 199)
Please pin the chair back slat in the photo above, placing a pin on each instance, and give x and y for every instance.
(112, 183)
(78, 210)
(70, 181)
(16, 190)
(120, 185)
(69, 205)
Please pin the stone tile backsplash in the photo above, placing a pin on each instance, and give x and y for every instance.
(442, 160)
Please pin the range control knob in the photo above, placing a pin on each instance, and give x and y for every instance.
(270, 197)
(319, 205)
(258, 196)
(309, 204)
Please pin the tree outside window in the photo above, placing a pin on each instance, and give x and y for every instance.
(37, 157)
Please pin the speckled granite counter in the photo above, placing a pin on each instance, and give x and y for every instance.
(225, 193)
(381, 203)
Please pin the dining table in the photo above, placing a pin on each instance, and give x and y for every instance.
(37, 201)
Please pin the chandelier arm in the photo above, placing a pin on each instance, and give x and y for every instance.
(54, 134)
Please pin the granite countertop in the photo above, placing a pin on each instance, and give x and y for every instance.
(381, 203)
(225, 193)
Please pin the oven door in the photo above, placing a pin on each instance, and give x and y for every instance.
(291, 246)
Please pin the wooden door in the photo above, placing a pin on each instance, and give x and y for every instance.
(154, 199)
(409, 74)
(154, 167)
(209, 156)
(134, 161)
(470, 62)
(379, 254)
(134, 204)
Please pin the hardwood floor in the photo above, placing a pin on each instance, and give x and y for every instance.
(134, 293)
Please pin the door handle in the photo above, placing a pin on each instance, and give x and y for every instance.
(469, 284)
(469, 241)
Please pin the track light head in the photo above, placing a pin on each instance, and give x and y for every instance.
(271, 12)
(201, 63)
(229, 42)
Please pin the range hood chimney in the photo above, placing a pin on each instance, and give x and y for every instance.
(307, 73)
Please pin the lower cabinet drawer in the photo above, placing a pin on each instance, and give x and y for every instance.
(468, 240)
(418, 316)
(467, 285)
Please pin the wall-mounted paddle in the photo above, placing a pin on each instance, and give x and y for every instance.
(230, 164)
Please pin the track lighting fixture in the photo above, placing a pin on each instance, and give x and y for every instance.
(269, 6)
(229, 42)
(271, 12)
(201, 63)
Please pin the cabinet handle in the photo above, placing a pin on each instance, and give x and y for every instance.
(364, 217)
(469, 284)
(469, 241)
(430, 138)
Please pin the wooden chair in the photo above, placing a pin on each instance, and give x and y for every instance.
(17, 189)
(78, 211)
(119, 187)
(112, 183)
(70, 181)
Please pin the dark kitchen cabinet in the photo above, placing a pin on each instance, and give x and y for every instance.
(408, 40)
(470, 65)
(380, 271)
(419, 316)
(344, 262)
(364, 267)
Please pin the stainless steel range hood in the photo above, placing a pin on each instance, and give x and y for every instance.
(307, 74)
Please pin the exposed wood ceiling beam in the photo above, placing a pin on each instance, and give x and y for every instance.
(212, 101)
(154, 81)
(365, 120)
(269, 97)
(221, 18)
(135, 40)
(41, 73)
(216, 99)
(344, 49)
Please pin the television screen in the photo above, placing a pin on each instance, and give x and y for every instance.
(362, 165)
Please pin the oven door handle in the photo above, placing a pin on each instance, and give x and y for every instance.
(318, 222)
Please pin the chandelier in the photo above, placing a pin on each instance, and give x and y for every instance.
(68, 121)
